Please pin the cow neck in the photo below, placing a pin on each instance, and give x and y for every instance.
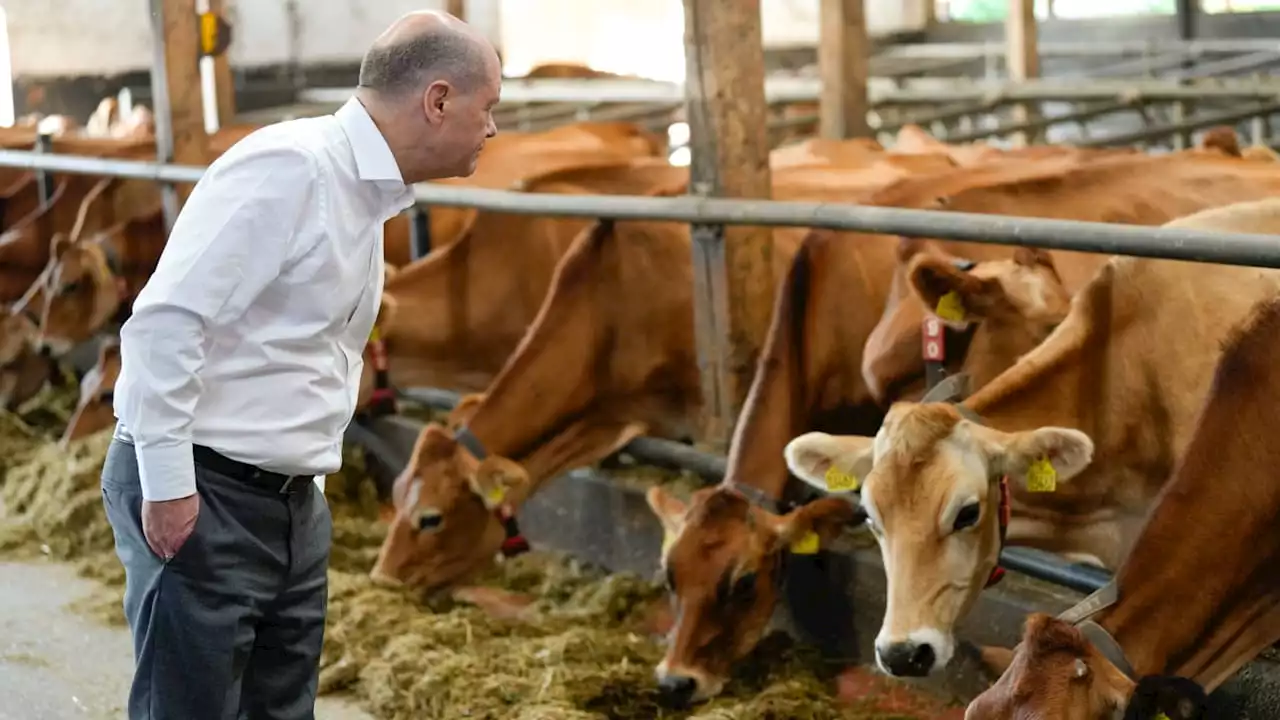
(1213, 607)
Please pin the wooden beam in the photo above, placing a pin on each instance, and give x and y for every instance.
(223, 78)
(182, 71)
(843, 63)
(1022, 57)
(456, 8)
(729, 146)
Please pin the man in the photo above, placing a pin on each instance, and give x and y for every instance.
(241, 365)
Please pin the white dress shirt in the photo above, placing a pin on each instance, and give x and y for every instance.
(249, 336)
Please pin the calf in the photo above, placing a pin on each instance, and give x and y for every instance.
(1198, 597)
(1129, 365)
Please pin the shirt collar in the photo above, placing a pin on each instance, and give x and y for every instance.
(374, 160)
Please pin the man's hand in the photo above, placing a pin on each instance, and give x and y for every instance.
(169, 523)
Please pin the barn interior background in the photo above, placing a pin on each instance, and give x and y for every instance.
(1153, 73)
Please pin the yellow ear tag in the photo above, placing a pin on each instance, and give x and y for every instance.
(668, 537)
(806, 544)
(495, 495)
(375, 334)
(839, 480)
(1041, 477)
(1161, 716)
(950, 307)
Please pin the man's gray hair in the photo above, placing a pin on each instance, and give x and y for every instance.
(411, 64)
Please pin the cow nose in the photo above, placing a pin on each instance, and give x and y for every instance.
(908, 659)
(678, 689)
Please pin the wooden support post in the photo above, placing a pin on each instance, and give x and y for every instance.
(729, 146)
(223, 78)
(457, 8)
(181, 53)
(843, 64)
(1022, 58)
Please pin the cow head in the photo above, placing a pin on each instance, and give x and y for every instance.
(722, 558)
(448, 514)
(931, 488)
(22, 371)
(95, 409)
(78, 292)
(1057, 673)
(995, 311)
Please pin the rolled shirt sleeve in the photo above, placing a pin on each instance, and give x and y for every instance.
(232, 238)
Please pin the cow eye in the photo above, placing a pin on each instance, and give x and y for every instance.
(429, 521)
(745, 586)
(967, 517)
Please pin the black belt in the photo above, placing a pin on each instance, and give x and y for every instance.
(256, 476)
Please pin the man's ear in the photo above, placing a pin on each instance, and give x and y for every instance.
(831, 463)
(498, 480)
(1041, 458)
(956, 296)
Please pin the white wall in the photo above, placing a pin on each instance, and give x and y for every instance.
(74, 37)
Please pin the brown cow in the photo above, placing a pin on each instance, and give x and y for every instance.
(1136, 190)
(23, 370)
(808, 375)
(608, 358)
(452, 319)
(1198, 597)
(1129, 365)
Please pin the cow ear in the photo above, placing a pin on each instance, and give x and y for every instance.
(670, 511)
(1041, 458)
(954, 295)
(498, 481)
(818, 522)
(831, 463)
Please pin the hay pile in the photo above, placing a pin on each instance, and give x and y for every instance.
(580, 652)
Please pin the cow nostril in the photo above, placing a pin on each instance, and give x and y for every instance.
(677, 689)
(923, 657)
(907, 659)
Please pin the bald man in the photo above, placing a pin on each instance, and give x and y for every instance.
(241, 365)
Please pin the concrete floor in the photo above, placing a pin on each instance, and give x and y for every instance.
(58, 665)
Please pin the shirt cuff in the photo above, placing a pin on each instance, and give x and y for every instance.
(167, 472)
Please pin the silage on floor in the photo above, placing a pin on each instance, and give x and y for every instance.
(580, 654)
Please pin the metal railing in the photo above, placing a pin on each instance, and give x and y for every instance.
(1245, 249)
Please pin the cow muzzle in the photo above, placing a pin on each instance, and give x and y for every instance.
(923, 652)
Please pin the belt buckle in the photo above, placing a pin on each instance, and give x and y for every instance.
(288, 482)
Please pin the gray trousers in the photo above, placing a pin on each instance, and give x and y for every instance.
(231, 626)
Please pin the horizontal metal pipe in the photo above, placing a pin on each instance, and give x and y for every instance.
(673, 455)
(1043, 566)
(651, 451)
(1251, 250)
(1162, 131)
(880, 91)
